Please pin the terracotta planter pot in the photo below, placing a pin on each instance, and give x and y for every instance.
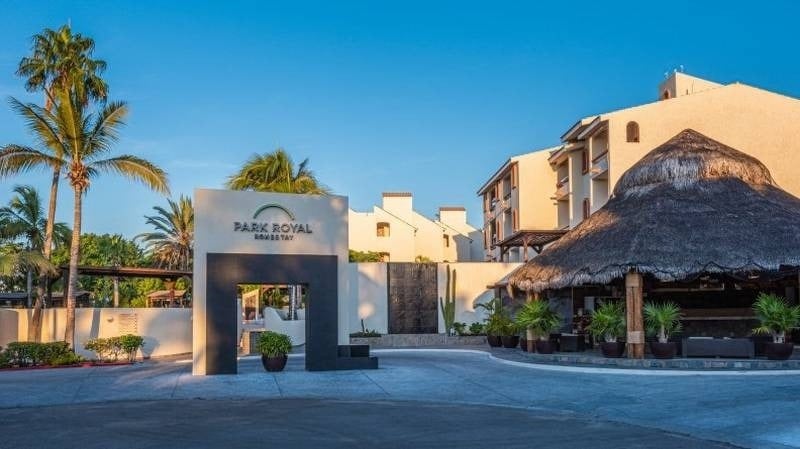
(494, 341)
(273, 364)
(778, 351)
(612, 350)
(510, 341)
(663, 350)
(545, 347)
(523, 344)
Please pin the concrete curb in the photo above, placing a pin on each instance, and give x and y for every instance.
(594, 370)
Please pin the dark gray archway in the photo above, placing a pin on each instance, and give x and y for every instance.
(319, 273)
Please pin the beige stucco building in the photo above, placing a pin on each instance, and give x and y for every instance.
(401, 234)
(556, 188)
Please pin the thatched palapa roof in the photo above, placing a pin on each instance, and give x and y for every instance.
(692, 205)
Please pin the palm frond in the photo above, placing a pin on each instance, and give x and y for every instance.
(134, 168)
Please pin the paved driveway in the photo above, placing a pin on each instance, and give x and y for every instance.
(753, 411)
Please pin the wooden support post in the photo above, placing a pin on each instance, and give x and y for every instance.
(529, 336)
(633, 309)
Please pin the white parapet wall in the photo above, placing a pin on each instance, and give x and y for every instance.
(165, 331)
(472, 278)
(368, 300)
(368, 297)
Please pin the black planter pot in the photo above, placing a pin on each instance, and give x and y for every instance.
(778, 351)
(494, 341)
(545, 347)
(523, 344)
(273, 364)
(510, 341)
(612, 350)
(663, 350)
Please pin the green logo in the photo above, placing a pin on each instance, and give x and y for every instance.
(273, 206)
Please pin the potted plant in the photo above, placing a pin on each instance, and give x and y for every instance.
(777, 318)
(608, 325)
(662, 319)
(495, 321)
(509, 336)
(541, 320)
(274, 348)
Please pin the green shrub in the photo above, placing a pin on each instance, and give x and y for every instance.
(476, 329)
(662, 319)
(460, 328)
(776, 316)
(70, 358)
(100, 346)
(5, 360)
(538, 317)
(29, 353)
(273, 344)
(608, 322)
(130, 344)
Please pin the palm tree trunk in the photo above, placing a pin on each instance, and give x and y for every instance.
(29, 287)
(74, 256)
(35, 331)
(116, 291)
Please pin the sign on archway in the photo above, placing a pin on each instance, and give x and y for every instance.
(255, 237)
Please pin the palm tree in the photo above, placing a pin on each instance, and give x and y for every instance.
(10, 261)
(59, 59)
(62, 59)
(171, 244)
(23, 219)
(275, 172)
(85, 137)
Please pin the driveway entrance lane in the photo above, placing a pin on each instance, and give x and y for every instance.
(757, 411)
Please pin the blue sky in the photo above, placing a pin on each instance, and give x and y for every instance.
(429, 97)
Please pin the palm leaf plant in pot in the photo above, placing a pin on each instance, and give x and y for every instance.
(538, 317)
(776, 318)
(608, 325)
(662, 319)
(274, 348)
(509, 330)
(495, 321)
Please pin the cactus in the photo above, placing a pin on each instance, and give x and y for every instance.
(448, 305)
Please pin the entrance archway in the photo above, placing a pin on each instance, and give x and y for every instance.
(225, 271)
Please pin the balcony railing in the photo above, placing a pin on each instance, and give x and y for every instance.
(562, 188)
(600, 164)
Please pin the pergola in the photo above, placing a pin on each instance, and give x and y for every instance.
(529, 238)
(168, 276)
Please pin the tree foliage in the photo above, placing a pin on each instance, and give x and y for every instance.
(276, 172)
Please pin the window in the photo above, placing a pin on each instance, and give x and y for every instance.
(665, 95)
(632, 132)
(384, 257)
(514, 176)
(585, 162)
(515, 220)
(383, 229)
(586, 208)
(446, 240)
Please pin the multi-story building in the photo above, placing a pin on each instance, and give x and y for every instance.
(569, 182)
(401, 234)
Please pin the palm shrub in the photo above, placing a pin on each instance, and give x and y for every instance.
(130, 344)
(539, 318)
(273, 344)
(776, 316)
(497, 319)
(608, 322)
(662, 319)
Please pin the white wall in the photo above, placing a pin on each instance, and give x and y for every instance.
(472, 278)
(165, 331)
(9, 323)
(368, 298)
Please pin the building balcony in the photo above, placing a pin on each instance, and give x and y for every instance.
(562, 189)
(600, 165)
